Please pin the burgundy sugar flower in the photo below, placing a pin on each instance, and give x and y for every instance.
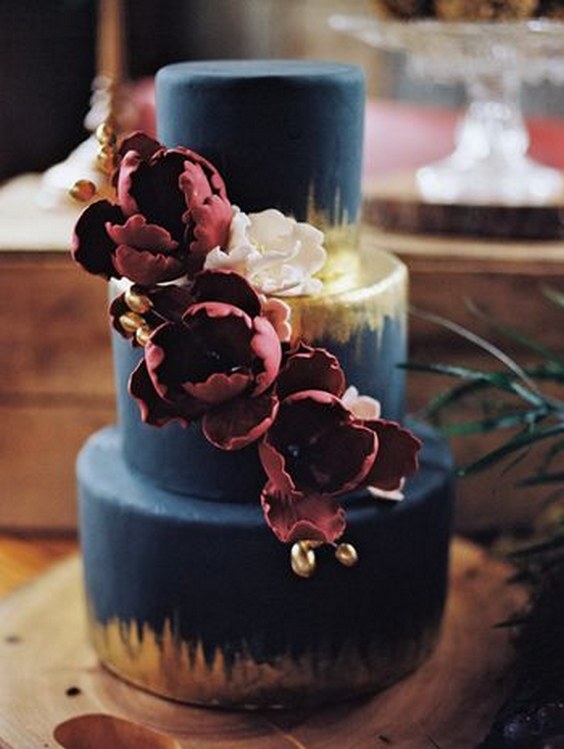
(302, 517)
(396, 457)
(172, 209)
(309, 368)
(316, 446)
(218, 361)
(317, 449)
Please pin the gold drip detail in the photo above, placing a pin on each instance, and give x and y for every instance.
(166, 665)
(350, 305)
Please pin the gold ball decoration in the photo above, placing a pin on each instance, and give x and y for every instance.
(130, 322)
(83, 190)
(302, 558)
(106, 160)
(105, 134)
(142, 335)
(137, 302)
(347, 555)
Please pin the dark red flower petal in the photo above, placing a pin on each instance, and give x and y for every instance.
(297, 517)
(140, 142)
(396, 457)
(91, 245)
(145, 267)
(211, 221)
(155, 410)
(169, 303)
(240, 422)
(199, 178)
(194, 184)
(151, 188)
(309, 368)
(130, 163)
(315, 446)
(228, 287)
(137, 233)
(265, 345)
(219, 387)
(213, 339)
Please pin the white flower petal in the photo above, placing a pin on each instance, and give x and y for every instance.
(362, 406)
(276, 254)
(395, 495)
(238, 231)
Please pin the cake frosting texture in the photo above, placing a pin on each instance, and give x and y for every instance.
(235, 549)
(298, 141)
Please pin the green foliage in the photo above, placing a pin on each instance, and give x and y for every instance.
(507, 396)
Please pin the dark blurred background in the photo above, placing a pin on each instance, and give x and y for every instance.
(48, 57)
(48, 60)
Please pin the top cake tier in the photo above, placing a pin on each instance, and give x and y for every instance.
(284, 134)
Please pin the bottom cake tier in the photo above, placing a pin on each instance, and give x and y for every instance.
(196, 600)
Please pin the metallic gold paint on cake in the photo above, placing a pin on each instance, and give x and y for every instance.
(166, 665)
(362, 299)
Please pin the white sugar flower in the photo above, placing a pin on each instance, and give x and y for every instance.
(392, 495)
(362, 406)
(276, 254)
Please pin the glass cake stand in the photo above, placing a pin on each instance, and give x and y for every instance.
(490, 162)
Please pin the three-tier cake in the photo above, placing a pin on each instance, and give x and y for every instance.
(244, 534)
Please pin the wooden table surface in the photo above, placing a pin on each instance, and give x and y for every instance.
(24, 557)
(53, 689)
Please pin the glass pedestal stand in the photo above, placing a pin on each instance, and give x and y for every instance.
(490, 164)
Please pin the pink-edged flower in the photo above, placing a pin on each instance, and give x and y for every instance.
(217, 361)
(396, 458)
(171, 210)
(309, 368)
(324, 442)
(316, 446)
(302, 517)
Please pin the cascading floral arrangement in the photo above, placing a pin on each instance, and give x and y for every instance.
(204, 288)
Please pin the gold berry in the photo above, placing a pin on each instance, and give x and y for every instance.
(346, 554)
(142, 335)
(137, 302)
(83, 190)
(302, 559)
(130, 322)
(105, 134)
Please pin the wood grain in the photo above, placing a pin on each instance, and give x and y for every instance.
(50, 676)
(393, 203)
(23, 558)
(56, 386)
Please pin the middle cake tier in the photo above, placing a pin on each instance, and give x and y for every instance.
(363, 324)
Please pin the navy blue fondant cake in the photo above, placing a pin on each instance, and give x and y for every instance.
(289, 166)
(243, 536)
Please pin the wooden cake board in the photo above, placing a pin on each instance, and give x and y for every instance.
(393, 203)
(54, 693)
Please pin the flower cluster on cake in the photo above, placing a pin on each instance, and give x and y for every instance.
(201, 289)
(470, 10)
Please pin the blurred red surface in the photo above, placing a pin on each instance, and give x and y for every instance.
(402, 136)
